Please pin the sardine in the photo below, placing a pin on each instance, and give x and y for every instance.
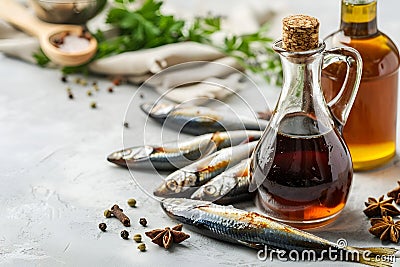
(183, 182)
(229, 187)
(257, 231)
(200, 120)
(172, 156)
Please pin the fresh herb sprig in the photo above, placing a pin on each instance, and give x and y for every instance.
(144, 27)
(41, 59)
(147, 27)
(254, 53)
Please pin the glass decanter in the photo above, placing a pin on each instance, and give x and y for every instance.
(302, 167)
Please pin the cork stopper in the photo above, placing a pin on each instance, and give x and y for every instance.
(300, 33)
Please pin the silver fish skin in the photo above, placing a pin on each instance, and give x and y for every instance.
(172, 156)
(200, 120)
(255, 230)
(228, 187)
(183, 182)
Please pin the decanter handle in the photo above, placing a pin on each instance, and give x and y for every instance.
(341, 104)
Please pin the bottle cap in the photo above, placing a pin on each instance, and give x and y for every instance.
(300, 33)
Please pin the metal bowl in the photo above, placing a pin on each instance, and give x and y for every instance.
(67, 11)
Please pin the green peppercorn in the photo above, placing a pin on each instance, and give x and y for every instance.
(142, 247)
(137, 238)
(107, 213)
(103, 227)
(89, 93)
(93, 105)
(96, 87)
(143, 221)
(132, 202)
(83, 82)
(124, 234)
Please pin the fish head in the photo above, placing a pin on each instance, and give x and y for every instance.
(215, 188)
(210, 191)
(117, 158)
(160, 110)
(127, 156)
(176, 184)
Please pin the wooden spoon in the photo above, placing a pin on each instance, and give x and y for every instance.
(20, 17)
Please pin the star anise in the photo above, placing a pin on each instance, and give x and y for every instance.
(385, 228)
(395, 193)
(165, 237)
(380, 207)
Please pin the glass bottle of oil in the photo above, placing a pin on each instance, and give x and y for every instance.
(301, 166)
(370, 131)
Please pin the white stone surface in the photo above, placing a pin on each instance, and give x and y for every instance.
(55, 181)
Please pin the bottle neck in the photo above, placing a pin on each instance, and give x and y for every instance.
(359, 18)
(301, 90)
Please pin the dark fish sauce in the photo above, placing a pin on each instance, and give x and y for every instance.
(308, 174)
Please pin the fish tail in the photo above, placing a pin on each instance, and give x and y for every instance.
(375, 256)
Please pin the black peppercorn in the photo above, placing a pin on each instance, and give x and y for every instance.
(64, 79)
(70, 95)
(143, 221)
(124, 234)
(103, 227)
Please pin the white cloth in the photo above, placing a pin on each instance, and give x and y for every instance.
(201, 92)
(181, 83)
(17, 44)
(153, 60)
(199, 80)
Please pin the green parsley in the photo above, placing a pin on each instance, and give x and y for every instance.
(41, 59)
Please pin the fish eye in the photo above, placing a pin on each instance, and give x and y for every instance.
(126, 152)
(192, 180)
(116, 155)
(172, 185)
(210, 190)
